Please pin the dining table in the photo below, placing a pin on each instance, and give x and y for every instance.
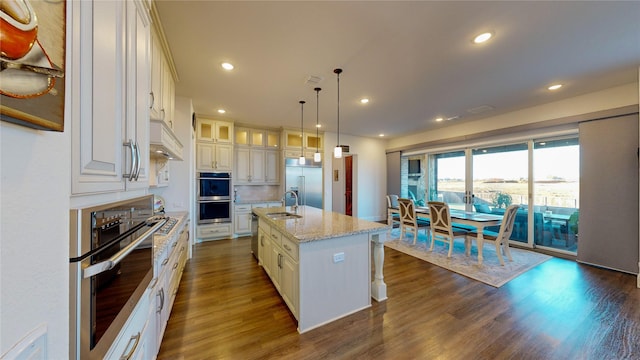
(478, 220)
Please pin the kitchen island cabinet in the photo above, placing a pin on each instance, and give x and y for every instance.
(320, 262)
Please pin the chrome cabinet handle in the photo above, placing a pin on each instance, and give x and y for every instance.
(165, 261)
(286, 247)
(153, 100)
(108, 264)
(136, 341)
(163, 113)
(161, 295)
(139, 160)
(131, 172)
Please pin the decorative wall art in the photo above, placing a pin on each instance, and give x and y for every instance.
(32, 54)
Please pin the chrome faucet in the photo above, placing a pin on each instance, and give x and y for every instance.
(284, 198)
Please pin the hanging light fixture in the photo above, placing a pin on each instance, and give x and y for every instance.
(337, 151)
(301, 161)
(317, 157)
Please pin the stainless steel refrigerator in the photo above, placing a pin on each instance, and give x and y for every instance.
(305, 181)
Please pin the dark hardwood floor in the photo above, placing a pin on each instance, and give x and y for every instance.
(227, 308)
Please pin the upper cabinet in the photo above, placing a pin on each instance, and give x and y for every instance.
(257, 156)
(216, 131)
(308, 140)
(162, 94)
(109, 54)
(214, 145)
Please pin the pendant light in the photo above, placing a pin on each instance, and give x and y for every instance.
(317, 157)
(301, 161)
(337, 151)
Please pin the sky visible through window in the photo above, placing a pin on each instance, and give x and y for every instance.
(555, 162)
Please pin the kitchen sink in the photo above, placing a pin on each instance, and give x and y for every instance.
(283, 216)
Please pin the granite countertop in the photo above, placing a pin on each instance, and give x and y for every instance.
(317, 224)
(161, 241)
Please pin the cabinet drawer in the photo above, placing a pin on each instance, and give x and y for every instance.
(243, 208)
(214, 230)
(290, 248)
(276, 236)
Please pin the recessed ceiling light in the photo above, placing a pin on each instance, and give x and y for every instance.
(482, 37)
(439, 119)
(364, 100)
(319, 125)
(221, 111)
(555, 87)
(381, 135)
(227, 66)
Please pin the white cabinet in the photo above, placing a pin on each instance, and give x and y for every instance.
(216, 157)
(218, 131)
(214, 149)
(162, 85)
(109, 96)
(272, 166)
(168, 268)
(295, 141)
(251, 166)
(214, 231)
(257, 156)
(242, 219)
(279, 257)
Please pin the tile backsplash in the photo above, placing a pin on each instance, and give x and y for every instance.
(257, 193)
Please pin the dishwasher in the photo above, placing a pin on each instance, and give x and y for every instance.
(254, 235)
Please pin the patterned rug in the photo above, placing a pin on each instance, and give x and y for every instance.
(490, 272)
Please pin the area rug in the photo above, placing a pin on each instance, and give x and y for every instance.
(490, 272)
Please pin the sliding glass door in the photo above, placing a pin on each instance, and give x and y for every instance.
(556, 200)
(500, 179)
(542, 176)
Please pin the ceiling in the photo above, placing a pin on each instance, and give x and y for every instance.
(414, 60)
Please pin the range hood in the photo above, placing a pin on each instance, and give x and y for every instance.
(163, 142)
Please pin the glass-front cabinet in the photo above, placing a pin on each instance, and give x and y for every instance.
(211, 130)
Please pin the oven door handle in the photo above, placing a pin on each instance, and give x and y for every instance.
(108, 264)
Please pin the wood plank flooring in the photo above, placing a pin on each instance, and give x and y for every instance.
(226, 308)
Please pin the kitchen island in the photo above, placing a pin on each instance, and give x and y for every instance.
(320, 262)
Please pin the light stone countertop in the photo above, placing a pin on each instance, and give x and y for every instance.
(317, 224)
(251, 202)
(161, 241)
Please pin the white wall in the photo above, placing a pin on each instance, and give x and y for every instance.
(371, 178)
(35, 181)
(619, 96)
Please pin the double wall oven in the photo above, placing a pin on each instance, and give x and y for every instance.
(213, 197)
(111, 263)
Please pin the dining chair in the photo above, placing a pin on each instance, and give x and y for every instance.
(442, 229)
(409, 221)
(500, 239)
(393, 210)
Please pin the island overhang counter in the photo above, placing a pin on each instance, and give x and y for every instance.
(320, 262)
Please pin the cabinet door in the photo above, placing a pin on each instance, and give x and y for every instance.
(257, 166)
(275, 265)
(243, 166)
(157, 72)
(137, 100)
(265, 249)
(168, 94)
(272, 167)
(224, 132)
(97, 125)
(206, 130)
(205, 156)
(242, 223)
(224, 157)
(289, 282)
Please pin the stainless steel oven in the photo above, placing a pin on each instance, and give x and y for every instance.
(213, 197)
(111, 260)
